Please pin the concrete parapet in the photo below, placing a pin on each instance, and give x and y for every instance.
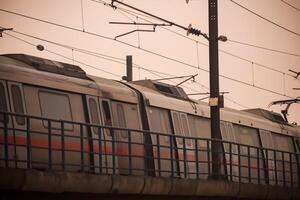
(86, 183)
(42, 181)
(71, 182)
(217, 188)
(127, 184)
(278, 192)
(157, 186)
(253, 191)
(11, 179)
(184, 187)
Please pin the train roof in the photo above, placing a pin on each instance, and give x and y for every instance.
(257, 118)
(53, 74)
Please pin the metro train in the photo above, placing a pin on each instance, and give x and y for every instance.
(45, 88)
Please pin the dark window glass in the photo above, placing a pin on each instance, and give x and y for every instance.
(121, 119)
(18, 103)
(94, 114)
(3, 103)
(107, 116)
(185, 127)
(177, 127)
(56, 106)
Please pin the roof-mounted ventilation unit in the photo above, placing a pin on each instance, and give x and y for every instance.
(50, 65)
(273, 116)
(166, 89)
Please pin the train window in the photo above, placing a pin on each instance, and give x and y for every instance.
(159, 120)
(185, 127)
(3, 103)
(177, 129)
(246, 135)
(56, 106)
(93, 109)
(18, 103)
(94, 113)
(283, 143)
(106, 112)
(199, 126)
(121, 119)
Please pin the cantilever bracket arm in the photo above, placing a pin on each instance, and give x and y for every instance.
(136, 30)
(297, 74)
(4, 29)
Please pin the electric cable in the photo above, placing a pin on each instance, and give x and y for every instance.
(264, 18)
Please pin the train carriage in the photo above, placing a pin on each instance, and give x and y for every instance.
(49, 89)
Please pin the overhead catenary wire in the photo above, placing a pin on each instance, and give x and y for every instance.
(103, 56)
(285, 2)
(60, 55)
(264, 18)
(264, 48)
(143, 49)
(222, 51)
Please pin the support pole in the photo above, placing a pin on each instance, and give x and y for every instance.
(214, 101)
(129, 68)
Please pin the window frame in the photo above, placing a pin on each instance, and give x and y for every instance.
(20, 86)
(6, 98)
(56, 92)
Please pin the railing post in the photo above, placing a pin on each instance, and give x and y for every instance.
(283, 168)
(291, 170)
(275, 167)
(258, 165)
(196, 159)
(6, 139)
(208, 158)
(129, 152)
(230, 161)
(113, 151)
(267, 167)
(239, 162)
(49, 144)
(171, 155)
(81, 149)
(28, 138)
(62, 126)
(100, 148)
(249, 164)
(184, 158)
(158, 154)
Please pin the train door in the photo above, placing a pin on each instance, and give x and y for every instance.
(70, 147)
(7, 153)
(164, 158)
(129, 144)
(184, 146)
(107, 139)
(297, 160)
(268, 142)
(18, 134)
(96, 132)
(231, 158)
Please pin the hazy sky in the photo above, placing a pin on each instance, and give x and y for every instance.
(261, 68)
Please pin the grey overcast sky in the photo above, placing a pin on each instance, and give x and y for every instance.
(168, 52)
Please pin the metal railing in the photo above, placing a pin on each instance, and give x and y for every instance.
(58, 145)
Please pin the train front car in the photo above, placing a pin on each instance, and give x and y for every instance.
(51, 114)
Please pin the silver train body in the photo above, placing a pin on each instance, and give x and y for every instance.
(40, 87)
